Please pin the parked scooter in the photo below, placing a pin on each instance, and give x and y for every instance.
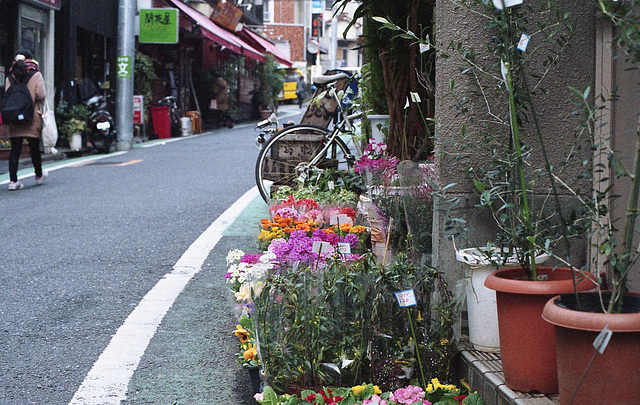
(101, 128)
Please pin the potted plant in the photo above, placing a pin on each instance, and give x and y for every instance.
(265, 97)
(598, 333)
(74, 123)
(505, 185)
(523, 202)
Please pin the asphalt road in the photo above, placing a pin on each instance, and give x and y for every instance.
(82, 250)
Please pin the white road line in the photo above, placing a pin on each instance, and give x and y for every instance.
(71, 162)
(107, 381)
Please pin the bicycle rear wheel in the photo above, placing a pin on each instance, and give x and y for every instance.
(287, 156)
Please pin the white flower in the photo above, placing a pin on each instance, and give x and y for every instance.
(234, 256)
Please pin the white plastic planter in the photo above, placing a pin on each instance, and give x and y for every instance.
(481, 301)
(75, 143)
(376, 134)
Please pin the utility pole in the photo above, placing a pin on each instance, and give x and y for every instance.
(124, 73)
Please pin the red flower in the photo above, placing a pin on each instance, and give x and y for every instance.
(349, 211)
(460, 398)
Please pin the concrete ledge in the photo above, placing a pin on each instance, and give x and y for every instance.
(483, 372)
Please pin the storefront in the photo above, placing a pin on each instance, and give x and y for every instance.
(29, 24)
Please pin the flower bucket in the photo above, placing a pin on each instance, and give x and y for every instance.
(482, 312)
(613, 377)
(527, 342)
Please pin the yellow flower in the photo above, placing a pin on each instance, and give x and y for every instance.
(377, 390)
(242, 333)
(358, 389)
(444, 342)
(250, 353)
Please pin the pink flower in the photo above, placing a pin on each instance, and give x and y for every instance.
(375, 400)
(409, 395)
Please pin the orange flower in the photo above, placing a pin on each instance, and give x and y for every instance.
(250, 353)
(345, 227)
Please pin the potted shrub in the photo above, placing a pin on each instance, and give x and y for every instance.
(586, 366)
(505, 185)
(265, 97)
(528, 217)
(74, 123)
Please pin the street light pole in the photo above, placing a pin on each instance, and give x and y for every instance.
(124, 73)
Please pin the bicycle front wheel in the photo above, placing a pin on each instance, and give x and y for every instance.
(286, 157)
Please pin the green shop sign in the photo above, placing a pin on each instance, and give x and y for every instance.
(159, 26)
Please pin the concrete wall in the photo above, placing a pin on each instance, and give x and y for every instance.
(575, 68)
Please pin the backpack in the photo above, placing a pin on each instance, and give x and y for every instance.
(16, 105)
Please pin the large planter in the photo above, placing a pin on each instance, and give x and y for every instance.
(482, 312)
(614, 375)
(527, 342)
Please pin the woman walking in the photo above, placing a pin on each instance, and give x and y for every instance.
(25, 68)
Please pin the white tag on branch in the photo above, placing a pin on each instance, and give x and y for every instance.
(406, 104)
(602, 340)
(524, 41)
(500, 4)
(503, 70)
(415, 97)
(331, 184)
(406, 298)
(344, 248)
(424, 47)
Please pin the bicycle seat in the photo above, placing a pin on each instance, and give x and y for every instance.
(324, 79)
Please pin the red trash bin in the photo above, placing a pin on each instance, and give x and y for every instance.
(161, 121)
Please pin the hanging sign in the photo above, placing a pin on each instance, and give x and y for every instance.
(227, 14)
(159, 26)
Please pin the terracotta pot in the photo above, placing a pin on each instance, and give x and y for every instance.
(527, 342)
(614, 375)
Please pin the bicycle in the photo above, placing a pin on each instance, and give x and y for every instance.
(293, 153)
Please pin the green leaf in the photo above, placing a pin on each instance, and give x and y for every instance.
(269, 396)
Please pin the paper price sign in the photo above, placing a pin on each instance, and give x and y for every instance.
(339, 219)
(524, 41)
(344, 248)
(406, 298)
(320, 247)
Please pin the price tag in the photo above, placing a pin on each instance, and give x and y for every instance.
(344, 248)
(406, 298)
(602, 340)
(524, 41)
(339, 219)
(331, 184)
(320, 247)
(415, 97)
(424, 47)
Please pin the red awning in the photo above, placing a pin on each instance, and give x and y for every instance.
(265, 46)
(218, 34)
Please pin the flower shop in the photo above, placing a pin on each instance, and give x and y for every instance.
(505, 181)
(321, 318)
